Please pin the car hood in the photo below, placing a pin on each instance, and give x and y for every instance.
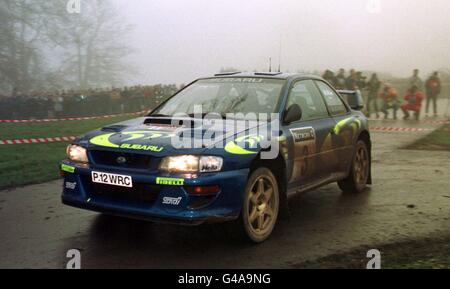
(155, 136)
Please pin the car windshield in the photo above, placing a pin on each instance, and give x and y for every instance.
(225, 95)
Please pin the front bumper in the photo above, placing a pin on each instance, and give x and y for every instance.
(80, 192)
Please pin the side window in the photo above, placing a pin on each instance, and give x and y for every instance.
(334, 103)
(305, 94)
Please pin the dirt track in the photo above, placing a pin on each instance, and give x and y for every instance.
(410, 199)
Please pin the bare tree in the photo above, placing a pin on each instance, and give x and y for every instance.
(42, 45)
(94, 45)
(21, 34)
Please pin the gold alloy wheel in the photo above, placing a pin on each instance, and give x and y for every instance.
(262, 202)
(361, 165)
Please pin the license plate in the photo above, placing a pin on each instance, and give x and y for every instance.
(112, 179)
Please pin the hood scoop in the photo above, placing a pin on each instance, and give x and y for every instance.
(114, 128)
(165, 121)
(174, 122)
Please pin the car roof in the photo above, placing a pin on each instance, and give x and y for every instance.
(270, 75)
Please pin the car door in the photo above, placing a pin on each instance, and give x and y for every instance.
(345, 128)
(306, 137)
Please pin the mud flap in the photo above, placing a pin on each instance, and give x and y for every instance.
(284, 211)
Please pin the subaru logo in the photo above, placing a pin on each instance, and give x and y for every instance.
(121, 160)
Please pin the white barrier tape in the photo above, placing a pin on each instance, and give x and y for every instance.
(68, 118)
(37, 140)
(439, 122)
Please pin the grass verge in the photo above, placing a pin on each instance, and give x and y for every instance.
(437, 140)
(430, 253)
(35, 163)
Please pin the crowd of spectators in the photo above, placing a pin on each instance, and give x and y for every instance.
(375, 91)
(79, 103)
(380, 96)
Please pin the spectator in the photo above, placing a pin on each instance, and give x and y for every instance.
(329, 76)
(390, 101)
(415, 80)
(340, 79)
(58, 104)
(351, 82)
(413, 102)
(433, 89)
(360, 80)
(373, 88)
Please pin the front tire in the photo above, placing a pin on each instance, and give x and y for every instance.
(261, 205)
(357, 180)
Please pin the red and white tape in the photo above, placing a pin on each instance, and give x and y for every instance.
(68, 118)
(37, 140)
(439, 122)
(399, 129)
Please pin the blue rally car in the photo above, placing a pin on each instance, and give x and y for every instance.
(134, 169)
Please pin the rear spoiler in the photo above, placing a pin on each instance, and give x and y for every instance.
(353, 98)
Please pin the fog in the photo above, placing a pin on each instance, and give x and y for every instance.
(179, 40)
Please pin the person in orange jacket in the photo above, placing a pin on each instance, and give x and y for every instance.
(390, 100)
(414, 99)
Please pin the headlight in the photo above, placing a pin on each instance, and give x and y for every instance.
(191, 164)
(77, 154)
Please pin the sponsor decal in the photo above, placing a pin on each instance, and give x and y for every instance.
(354, 123)
(237, 147)
(67, 168)
(151, 148)
(304, 148)
(71, 186)
(103, 141)
(169, 181)
(171, 201)
(111, 140)
(305, 166)
(303, 134)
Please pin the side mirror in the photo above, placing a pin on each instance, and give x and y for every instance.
(293, 114)
(353, 98)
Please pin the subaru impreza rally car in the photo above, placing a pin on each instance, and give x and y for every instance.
(134, 168)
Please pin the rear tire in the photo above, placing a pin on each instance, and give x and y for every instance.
(260, 207)
(358, 178)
